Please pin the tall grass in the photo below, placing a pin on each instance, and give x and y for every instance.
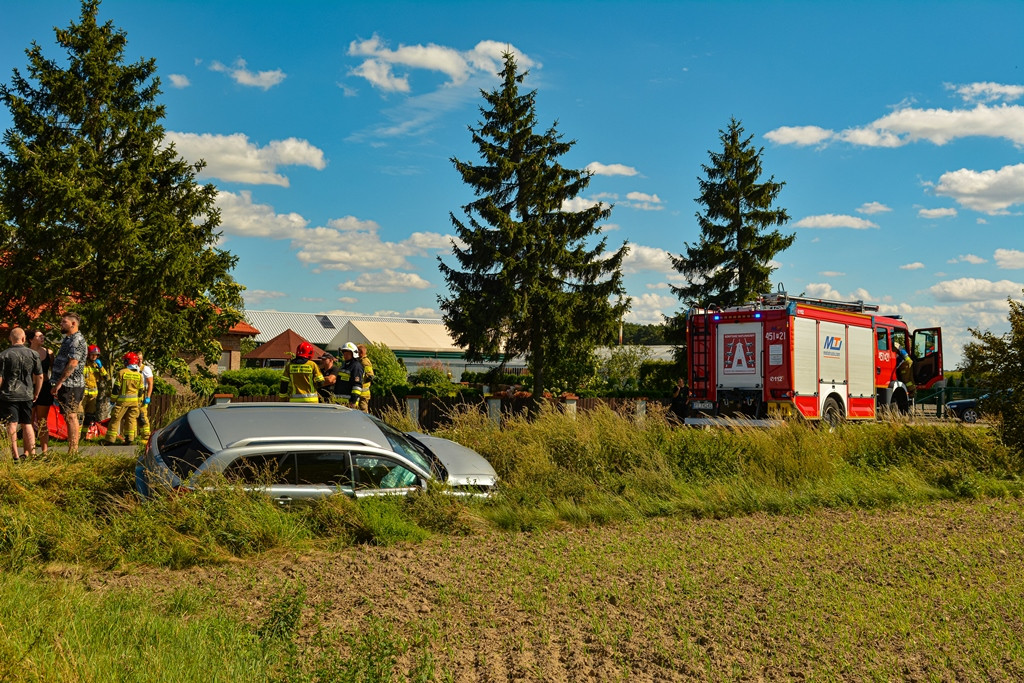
(597, 468)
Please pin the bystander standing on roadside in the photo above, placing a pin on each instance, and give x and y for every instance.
(41, 407)
(679, 395)
(364, 397)
(21, 380)
(67, 381)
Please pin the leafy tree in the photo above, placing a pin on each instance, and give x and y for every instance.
(621, 369)
(388, 371)
(643, 334)
(996, 364)
(533, 281)
(730, 264)
(101, 216)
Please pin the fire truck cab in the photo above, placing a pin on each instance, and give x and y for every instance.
(787, 356)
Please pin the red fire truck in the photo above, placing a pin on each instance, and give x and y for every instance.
(784, 356)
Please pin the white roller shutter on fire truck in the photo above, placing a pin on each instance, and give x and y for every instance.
(739, 354)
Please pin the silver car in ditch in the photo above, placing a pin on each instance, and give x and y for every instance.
(296, 452)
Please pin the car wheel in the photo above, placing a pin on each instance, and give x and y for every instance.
(970, 415)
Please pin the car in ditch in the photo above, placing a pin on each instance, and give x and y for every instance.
(964, 409)
(298, 452)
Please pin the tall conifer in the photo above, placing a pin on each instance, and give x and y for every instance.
(534, 279)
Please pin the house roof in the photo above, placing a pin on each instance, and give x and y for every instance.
(398, 335)
(281, 347)
(244, 329)
(319, 328)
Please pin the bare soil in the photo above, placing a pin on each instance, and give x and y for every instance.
(928, 593)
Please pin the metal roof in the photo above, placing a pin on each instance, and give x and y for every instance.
(318, 328)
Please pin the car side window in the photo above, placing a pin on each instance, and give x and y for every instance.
(262, 469)
(883, 338)
(375, 472)
(900, 337)
(330, 468)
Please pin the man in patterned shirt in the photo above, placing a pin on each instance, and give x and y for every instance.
(66, 375)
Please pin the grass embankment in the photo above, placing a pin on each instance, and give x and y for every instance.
(687, 598)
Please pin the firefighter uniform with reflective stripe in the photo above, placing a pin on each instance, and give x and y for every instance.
(364, 397)
(144, 393)
(127, 388)
(300, 382)
(349, 387)
(92, 372)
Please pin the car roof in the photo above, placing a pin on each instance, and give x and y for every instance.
(220, 426)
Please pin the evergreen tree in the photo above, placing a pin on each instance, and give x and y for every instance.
(532, 281)
(101, 216)
(730, 265)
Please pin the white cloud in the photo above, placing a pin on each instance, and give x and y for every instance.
(802, 136)
(988, 92)
(909, 124)
(643, 201)
(578, 204)
(1009, 259)
(975, 289)
(597, 168)
(385, 281)
(871, 208)
(312, 299)
(641, 258)
(968, 258)
(256, 297)
(458, 66)
(348, 299)
(831, 273)
(649, 308)
(235, 159)
(991, 192)
(421, 312)
(916, 265)
(239, 215)
(936, 213)
(179, 80)
(242, 75)
(831, 220)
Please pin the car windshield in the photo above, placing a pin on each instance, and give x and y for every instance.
(405, 446)
(180, 449)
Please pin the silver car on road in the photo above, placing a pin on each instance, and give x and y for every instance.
(297, 451)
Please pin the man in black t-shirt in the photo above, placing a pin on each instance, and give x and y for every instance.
(21, 380)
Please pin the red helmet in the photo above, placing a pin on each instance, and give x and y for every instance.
(94, 349)
(131, 358)
(304, 351)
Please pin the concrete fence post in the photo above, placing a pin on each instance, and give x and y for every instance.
(570, 407)
(494, 409)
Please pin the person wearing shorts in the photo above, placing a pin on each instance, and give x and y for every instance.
(41, 408)
(21, 380)
(67, 380)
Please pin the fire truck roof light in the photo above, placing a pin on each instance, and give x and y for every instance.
(718, 317)
(757, 315)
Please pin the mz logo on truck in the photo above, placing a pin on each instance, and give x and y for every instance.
(832, 347)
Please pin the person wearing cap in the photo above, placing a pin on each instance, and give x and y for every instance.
(127, 388)
(349, 387)
(329, 368)
(94, 373)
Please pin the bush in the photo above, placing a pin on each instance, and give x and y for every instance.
(239, 378)
(162, 388)
(225, 389)
(388, 371)
(253, 389)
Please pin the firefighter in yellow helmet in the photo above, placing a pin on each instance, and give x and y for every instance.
(301, 377)
(128, 387)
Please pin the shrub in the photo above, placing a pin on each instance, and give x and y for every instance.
(388, 371)
(253, 389)
(225, 389)
(239, 378)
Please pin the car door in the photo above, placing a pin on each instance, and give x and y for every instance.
(381, 475)
(927, 352)
(293, 476)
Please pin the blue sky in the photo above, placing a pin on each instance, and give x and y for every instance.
(328, 127)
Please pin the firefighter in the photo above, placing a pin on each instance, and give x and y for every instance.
(905, 369)
(127, 389)
(301, 377)
(94, 373)
(145, 397)
(364, 398)
(349, 387)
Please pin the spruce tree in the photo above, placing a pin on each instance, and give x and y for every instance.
(534, 279)
(730, 264)
(101, 216)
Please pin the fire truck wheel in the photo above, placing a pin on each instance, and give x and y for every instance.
(832, 413)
